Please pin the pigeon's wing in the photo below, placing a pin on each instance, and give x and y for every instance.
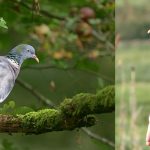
(7, 78)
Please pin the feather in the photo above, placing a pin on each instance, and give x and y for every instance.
(8, 75)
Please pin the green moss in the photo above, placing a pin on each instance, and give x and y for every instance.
(106, 96)
(85, 103)
(70, 113)
(41, 119)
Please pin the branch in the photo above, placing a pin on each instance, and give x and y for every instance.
(44, 100)
(39, 96)
(98, 137)
(48, 66)
(90, 72)
(70, 114)
(43, 12)
(102, 38)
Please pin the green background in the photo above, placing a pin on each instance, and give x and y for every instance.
(90, 76)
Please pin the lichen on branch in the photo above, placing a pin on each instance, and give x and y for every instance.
(70, 114)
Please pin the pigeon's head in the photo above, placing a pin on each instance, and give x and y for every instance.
(24, 51)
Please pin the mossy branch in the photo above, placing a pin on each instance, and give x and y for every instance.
(70, 114)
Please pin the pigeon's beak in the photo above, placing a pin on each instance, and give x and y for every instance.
(35, 57)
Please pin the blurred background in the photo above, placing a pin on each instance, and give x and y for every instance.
(74, 41)
(132, 74)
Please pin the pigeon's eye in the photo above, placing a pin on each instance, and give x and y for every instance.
(28, 50)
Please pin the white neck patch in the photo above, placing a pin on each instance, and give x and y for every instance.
(13, 63)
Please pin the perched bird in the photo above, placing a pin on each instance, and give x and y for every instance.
(10, 67)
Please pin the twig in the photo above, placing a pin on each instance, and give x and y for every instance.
(44, 67)
(103, 39)
(98, 137)
(49, 103)
(42, 98)
(72, 113)
(39, 96)
(43, 12)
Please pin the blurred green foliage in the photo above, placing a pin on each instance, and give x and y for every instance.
(132, 19)
(76, 40)
(6, 145)
(3, 23)
(133, 53)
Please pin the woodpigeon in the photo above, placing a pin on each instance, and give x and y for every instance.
(10, 67)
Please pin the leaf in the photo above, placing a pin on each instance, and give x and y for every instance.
(3, 23)
(95, 21)
(8, 108)
(7, 145)
(22, 110)
(11, 104)
(100, 82)
(87, 64)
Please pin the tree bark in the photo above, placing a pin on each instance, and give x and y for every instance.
(70, 114)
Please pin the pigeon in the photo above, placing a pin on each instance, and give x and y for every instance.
(10, 67)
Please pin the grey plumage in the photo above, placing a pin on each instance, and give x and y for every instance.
(8, 75)
(10, 67)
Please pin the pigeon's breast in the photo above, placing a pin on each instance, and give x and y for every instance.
(7, 78)
(14, 67)
(6, 71)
